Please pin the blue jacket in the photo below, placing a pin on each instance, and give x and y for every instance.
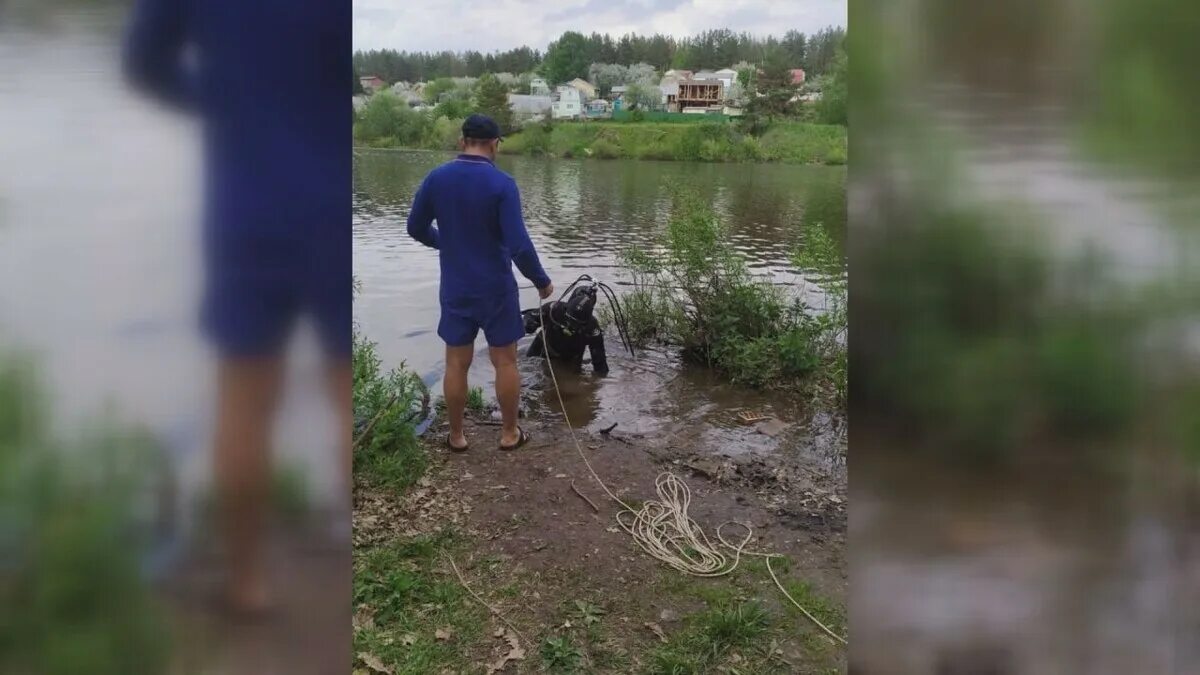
(479, 233)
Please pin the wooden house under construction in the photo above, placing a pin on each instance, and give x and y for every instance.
(697, 96)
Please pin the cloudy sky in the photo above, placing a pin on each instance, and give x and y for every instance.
(489, 25)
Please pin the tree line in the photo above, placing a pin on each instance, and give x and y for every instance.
(397, 66)
(573, 53)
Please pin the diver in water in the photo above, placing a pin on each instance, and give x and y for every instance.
(566, 329)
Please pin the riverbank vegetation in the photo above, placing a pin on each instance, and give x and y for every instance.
(694, 291)
(788, 142)
(386, 122)
(387, 406)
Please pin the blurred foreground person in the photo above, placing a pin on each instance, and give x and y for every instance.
(479, 235)
(276, 220)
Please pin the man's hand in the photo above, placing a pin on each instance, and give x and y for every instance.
(546, 291)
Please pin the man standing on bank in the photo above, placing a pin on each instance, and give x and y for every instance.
(479, 235)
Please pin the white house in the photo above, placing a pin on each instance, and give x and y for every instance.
(568, 102)
(539, 87)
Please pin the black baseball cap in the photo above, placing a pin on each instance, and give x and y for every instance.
(481, 127)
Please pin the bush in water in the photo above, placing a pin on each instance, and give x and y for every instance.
(695, 291)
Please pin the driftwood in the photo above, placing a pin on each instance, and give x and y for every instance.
(584, 497)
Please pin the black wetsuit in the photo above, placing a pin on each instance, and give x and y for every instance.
(567, 335)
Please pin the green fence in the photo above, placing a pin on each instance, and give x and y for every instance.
(683, 118)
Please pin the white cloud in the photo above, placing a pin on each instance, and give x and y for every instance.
(489, 25)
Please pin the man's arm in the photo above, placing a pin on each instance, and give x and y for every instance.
(153, 54)
(516, 238)
(420, 219)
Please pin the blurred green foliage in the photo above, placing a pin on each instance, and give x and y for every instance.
(978, 332)
(1145, 106)
(72, 599)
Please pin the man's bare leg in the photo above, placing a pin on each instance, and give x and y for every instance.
(454, 388)
(508, 391)
(247, 390)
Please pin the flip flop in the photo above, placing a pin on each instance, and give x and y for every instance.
(454, 448)
(522, 439)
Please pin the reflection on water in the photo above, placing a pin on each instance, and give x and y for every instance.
(1078, 550)
(581, 214)
(1061, 572)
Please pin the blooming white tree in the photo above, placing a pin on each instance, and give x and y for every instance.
(641, 73)
(607, 75)
(643, 96)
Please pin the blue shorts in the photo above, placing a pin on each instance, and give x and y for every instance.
(499, 317)
(255, 291)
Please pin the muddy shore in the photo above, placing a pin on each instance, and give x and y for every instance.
(531, 544)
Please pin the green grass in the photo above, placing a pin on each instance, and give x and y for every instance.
(704, 141)
(408, 596)
(627, 117)
(475, 400)
(825, 610)
(709, 637)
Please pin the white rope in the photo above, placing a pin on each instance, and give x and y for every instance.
(665, 531)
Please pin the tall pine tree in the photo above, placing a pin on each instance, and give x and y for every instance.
(491, 99)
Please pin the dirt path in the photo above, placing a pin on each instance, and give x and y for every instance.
(579, 590)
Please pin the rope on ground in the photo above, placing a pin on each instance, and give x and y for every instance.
(665, 531)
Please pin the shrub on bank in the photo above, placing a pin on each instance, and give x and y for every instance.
(387, 406)
(696, 292)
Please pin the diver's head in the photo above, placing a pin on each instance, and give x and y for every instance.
(581, 303)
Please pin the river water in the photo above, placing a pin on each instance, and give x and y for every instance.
(581, 214)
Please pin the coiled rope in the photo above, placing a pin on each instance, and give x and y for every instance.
(665, 531)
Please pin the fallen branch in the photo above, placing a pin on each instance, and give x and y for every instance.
(608, 431)
(371, 425)
(584, 497)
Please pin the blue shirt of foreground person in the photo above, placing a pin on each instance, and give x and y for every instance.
(277, 241)
(479, 235)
